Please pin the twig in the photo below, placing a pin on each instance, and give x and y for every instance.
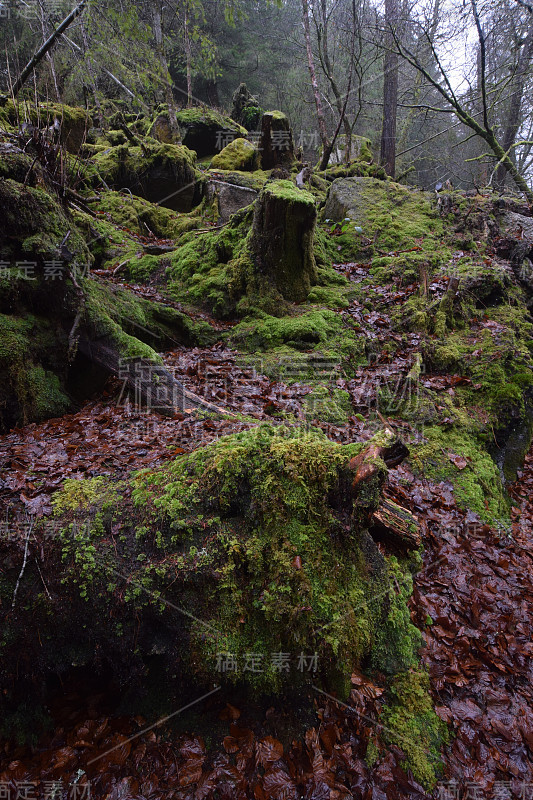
(23, 564)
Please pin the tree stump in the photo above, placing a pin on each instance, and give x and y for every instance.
(276, 144)
(282, 238)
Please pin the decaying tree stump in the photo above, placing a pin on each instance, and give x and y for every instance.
(282, 237)
(386, 520)
(276, 144)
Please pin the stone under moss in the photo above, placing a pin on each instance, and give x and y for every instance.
(162, 173)
(237, 155)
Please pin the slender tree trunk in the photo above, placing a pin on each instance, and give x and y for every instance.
(188, 56)
(92, 76)
(390, 91)
(328, 71)
(160, 49)
(515, 105)
(326, 145)
(45, 27)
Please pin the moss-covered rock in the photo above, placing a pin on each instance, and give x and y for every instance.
(246, 109)
(162, 173)
(162, 131)
(392, 214)
(34, 225)
(237, 155)
(32, 369)
(19, 166)
(206, 131)
(246, 545)
(73, 121)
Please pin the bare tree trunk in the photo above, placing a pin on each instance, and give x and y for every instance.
(326, 145)
(160, 49)
(390, 91)
(515, 104)
(323, 49)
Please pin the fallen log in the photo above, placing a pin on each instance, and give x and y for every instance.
(153, 386)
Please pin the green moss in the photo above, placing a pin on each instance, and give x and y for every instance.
(138, 215)
(478, 486)
(82, 495)
(37, 224)
(237, 155)
(74, 120)
(392, 217)
(250, 504)
(410, 723)
(29, 391)
(286, 190)
(209, 269)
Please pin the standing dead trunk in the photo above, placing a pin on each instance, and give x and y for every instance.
(188, 56)
(390, 91)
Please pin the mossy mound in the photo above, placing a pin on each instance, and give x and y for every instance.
(237, 155)
(249, 180)
(206, 131)
(137, 214)
(246, 545)
(410, 723)
(210, 269)
(161, 173)
(19, 166)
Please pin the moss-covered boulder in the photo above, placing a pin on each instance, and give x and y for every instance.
(281, 243)
(206, 131)
(230, 198)
(388, 211)
(276, 143)
(247, 545)
(19, 166)
(162, 173)
(162, 130)
(237, 155)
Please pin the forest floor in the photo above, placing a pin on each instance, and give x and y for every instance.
(472, 600)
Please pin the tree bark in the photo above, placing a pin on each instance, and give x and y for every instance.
(515, 105)
(326, 145)
(390, 91)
